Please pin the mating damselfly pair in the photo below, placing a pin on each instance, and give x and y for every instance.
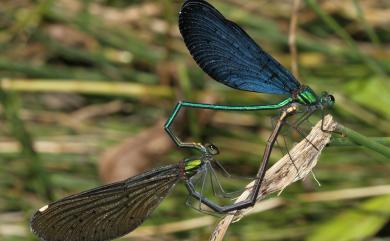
(225, 52)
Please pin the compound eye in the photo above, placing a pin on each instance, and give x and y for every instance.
(212, 149)
(332, 98)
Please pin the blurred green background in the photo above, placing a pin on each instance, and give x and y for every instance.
(87, 85)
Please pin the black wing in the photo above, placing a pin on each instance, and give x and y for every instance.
(106, 212)
(225, 52)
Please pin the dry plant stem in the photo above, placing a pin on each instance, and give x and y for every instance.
(349, 193)
(86, 87)
(173, 227)
(46, 146)
(292, 38)
(284, 172)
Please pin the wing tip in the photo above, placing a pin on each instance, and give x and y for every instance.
(33, 222)
(189, 3)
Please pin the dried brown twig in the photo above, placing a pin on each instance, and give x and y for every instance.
(292, 38)
(284, 172)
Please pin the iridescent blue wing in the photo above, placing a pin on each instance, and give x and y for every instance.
(106, 212)
(225, 52)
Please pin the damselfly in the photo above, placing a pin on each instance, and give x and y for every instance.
(227, 54)
(110, 211)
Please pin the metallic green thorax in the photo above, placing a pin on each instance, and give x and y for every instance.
(191, 166)
(307, 97)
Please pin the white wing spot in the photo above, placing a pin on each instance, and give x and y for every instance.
(42, 209)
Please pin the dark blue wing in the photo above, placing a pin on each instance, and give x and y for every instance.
(225, 52)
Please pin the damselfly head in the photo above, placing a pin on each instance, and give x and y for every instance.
(327, 100)
(207, 149)
(211, 149)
